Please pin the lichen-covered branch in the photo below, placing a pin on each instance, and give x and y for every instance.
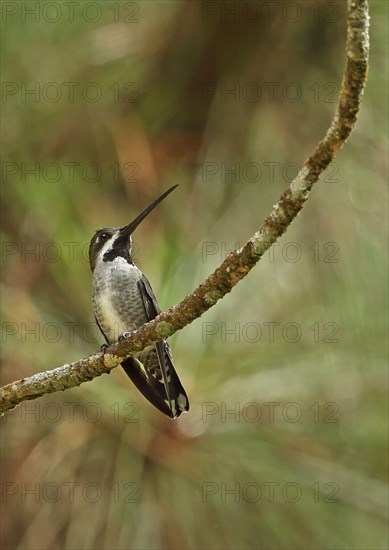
(237, 264)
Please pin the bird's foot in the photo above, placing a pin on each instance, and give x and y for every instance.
(123, 336)
(104, 347)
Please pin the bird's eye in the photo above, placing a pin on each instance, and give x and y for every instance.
(103, 237)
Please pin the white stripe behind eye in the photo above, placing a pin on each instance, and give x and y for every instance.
(107, 246)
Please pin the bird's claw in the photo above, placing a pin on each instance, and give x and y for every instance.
(123, 336)
(104, 347)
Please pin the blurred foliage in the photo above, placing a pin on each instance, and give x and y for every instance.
(108, 470)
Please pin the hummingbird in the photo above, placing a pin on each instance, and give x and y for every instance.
(123, 301)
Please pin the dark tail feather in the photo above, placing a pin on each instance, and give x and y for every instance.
(172, 387)
(134, 372)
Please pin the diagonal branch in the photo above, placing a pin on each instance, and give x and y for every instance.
(238, 263)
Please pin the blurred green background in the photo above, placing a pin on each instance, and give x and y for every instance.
(104, 106)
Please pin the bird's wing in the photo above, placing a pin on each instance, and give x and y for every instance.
(159, 369)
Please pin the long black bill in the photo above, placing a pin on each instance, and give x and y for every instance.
(127, 230)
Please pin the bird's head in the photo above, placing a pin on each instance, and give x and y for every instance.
(109, 242)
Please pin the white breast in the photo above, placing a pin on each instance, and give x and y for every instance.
(117, 302)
